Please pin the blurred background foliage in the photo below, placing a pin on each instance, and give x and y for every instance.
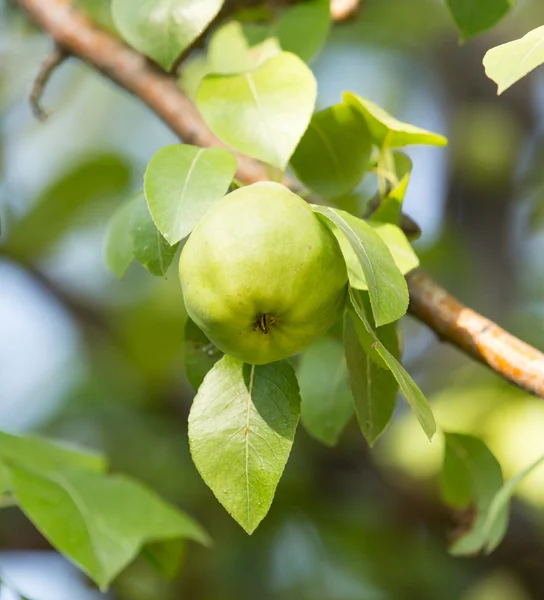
(87, 358)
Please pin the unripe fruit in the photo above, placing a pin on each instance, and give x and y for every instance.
(262, 276)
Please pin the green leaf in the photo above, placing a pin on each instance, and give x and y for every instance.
(162, 29)
(374, 388)
(498, 513)
(401, 250)
(241, 429)
(475, 16)
(230, 52)
(118, 250)
(304, 27)
(193, 70)
(390, 208)
(327, 405)
(4, 480)
(386, 284)
(410, 390)
(334, 153)
(508, 63)
(92, 182)
(199, 354)
(166, 557)
(388, 131)
(387, 334)
(471, 474)
(149, 248)
(99, 11)
(182, 183)
(45, 455)
(100, 522)
(262, 113)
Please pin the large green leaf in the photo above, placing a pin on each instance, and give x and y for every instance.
(304, 27)
(182, 182)
(230, 51)
(374, 387)
(471, 475)
(149, 247)
(410, 390)
(401, 250)
(334, 153)
(199, 354)
(388, 131)
(508, 63)
(91, 182)
(241, 428)
(162, 29)
(327, 405)
(498, 513)
(119, 253)
(100, 522)
(386, 284)
(45, 455)
(262, 113)
(475, 16)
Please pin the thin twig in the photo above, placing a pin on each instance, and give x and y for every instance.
(53, 60)
(475, 335)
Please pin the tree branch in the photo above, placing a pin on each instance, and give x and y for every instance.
(53, 60)
(475, 335)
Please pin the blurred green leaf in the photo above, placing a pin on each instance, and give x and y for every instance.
(386, 284)
(470, 474)
(241, 430)
(99, 11)
(200, 355)
(304, 27)
(162, 29)
(327, 405)
(473, 17)
(455, 481)
(390, 132)
(150, 249)
(44, 455)
(262, 113)
(100, 522)
(4, 480)
(374, 388)
(119, 253)
(92, 181)
(230, 51)
(182, 182)
(334, 153)
(497, 516)
(166, 556)
(193, 71)
(508, 63)
(410, 390)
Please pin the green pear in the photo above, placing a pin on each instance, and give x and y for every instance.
(262, 276)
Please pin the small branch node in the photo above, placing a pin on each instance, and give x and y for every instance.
(52, 61)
